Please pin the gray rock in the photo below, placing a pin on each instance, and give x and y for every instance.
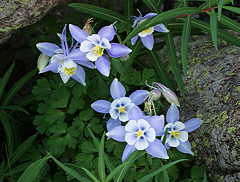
(15, 14)
(213, 84)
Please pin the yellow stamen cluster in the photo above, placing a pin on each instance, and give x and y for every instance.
(139, 133)
(98, 50)
(146, 31)
(175, 134)
(70, 71)
(122, 109)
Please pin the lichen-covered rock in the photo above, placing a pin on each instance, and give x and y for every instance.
(213, 84)
(15, 14)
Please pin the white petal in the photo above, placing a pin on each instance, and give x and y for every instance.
(125, 100)
(95, 39)
(172, 142)
(183, 136)
(141, 144)
(86, 46)
(115, 103)
(131, 126)
(131, 138)
(92, 57)
(123, 117)
(143, 124)
(113, 113)
(179, 126)
(105, 43)
(150, 135)
(64, 77)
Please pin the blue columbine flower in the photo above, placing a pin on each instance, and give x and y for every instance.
(176, 132)
(140, 133)
(65, 60)
(146, 35)
(96, 46)
(119, 108)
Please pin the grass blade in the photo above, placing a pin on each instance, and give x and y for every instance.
(5, 79)
(132, 158)
(222, 34)
(161, 169)
(115, 172)
(17, 86)
(214, 28)
(220, 6)
(68, 170)
(173, 62)
(230, 23)
(101, 164)
(31, 173)
(161, 18)
(151, 5)
(101, 13)
(128, 9)
(22, 149)
(90, 175)
(159, 69)
(9, 131)
(232, 9)
(14, 108)
(184, 43)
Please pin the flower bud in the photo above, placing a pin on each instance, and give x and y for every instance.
(169, 95)
(42, 61)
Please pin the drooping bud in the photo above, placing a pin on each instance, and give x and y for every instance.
(169, 95)
(42, 61)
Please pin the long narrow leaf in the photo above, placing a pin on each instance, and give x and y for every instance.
(101, 164)
(22, 149)
(214, 28)
(13, 108)
(18, 85)
(222, 34)
(101, 13)
(68, 170)
(184, 43)
(160, 18)
(159, 69)
(233, 9)
(161, 169)
(234, 25)
(31, 173)
(5, 79)
(173, 62)
(128, 9)
(9, 131)
(152, 5)
(115, 172)
(90, 175)
(220, 6)
(132, 158)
